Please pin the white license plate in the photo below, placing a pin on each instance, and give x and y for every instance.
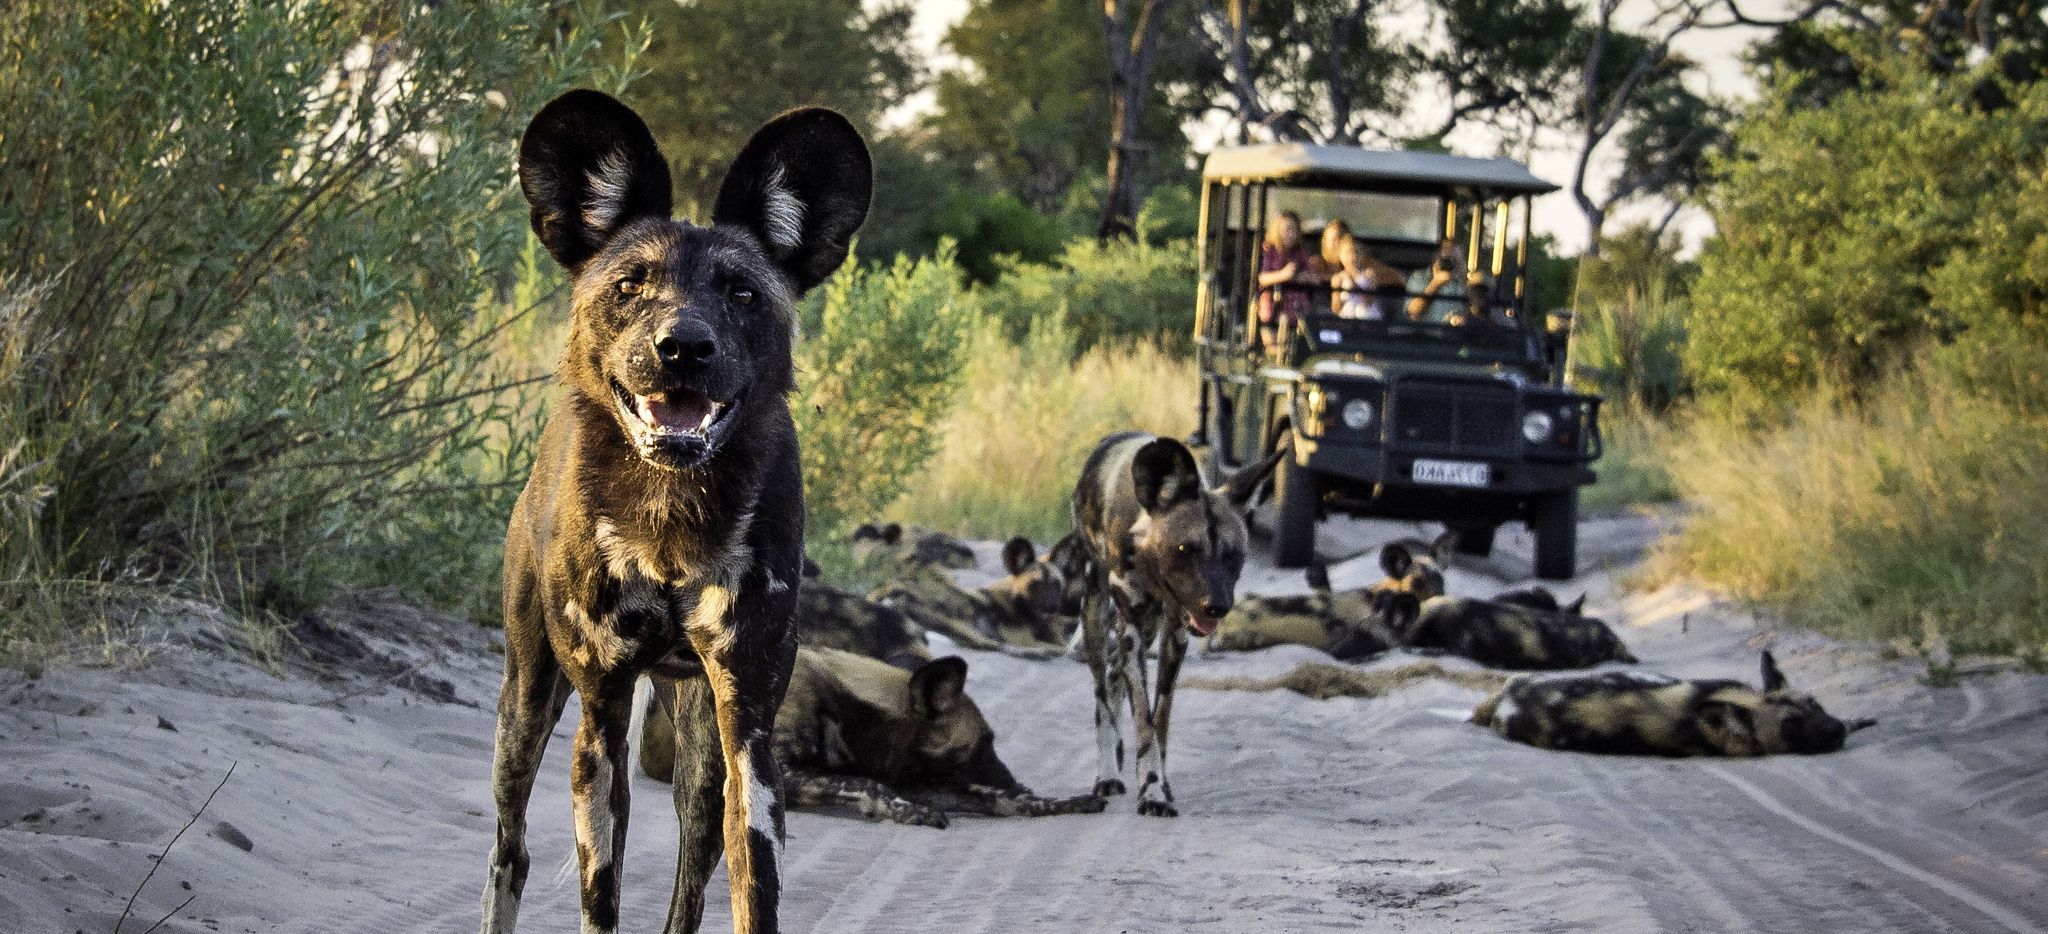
(1452, 473)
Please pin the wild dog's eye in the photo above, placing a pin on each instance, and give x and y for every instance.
(1184, 547)
(633, 282)
(742, 296)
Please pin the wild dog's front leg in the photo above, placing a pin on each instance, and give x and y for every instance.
(981, 799)
(698, 774)
(875, 800)
(747, 658)
(528, 706)
(1101, 636)
(1155, 794)
(598, 783)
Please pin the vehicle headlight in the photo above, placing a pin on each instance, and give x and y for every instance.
(1357, 414)
(1536, 427)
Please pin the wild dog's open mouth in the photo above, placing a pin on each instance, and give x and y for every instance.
(1202, 625)
(683, 418)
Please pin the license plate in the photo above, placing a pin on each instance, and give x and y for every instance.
(1452, 473)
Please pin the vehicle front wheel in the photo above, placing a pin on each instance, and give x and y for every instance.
(1299, 495)
(1555, 520)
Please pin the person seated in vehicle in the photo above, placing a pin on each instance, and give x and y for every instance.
(1442, 293)
(1287, 273)
(1479, 311)
(1357, 290)
(1335, 235)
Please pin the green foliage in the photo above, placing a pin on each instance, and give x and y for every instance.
(1116, 293)
(1632, 465)
(1630, 320)
(717, 69)
(1917, 507)
(1851, 236)
(263, 246)
(876, 376)
(988, 228)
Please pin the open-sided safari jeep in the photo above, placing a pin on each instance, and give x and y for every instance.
(1435, 395)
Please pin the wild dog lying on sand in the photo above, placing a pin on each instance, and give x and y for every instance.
(1163, 552)
(830, 618)
(1355, 620)
(1020, 611)
(661, 531)
(904, 746)
(1637, 713)
(1514, 635)
(890, 545)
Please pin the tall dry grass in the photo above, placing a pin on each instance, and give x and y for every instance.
(1025, 419)
(1922, 509)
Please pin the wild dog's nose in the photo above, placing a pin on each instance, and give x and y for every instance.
(1214, 607)
(685, 342)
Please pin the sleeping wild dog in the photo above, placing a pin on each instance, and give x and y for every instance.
(1637, 713)
(889, 546)
(1018, 614)
(1163, 552)
(661, 531)
(902, 746)
(830, 618)
(1355, 621)
(1517, 632)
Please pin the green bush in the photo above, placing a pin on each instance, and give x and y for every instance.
(1630, 321)
(265, 244)
(988, 228)
(876, 376)
(1114, 293)
(1900, 216)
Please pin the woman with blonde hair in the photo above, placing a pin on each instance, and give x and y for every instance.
(1285, 272)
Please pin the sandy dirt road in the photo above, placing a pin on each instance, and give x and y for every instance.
(359, 807)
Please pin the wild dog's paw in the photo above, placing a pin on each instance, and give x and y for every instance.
(1108, 787)
(1157, 809)
(1084, 804)
(923, 816)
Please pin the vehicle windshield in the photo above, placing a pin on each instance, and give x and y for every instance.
(1373, 214)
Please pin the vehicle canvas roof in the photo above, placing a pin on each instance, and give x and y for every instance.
(1352, 165)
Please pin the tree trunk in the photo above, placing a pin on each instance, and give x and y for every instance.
(1133, 44)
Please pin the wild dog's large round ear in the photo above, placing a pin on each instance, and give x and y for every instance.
(1395, 559)
(1019, 555)
(1164, 473)
(1440, 550)
(588, 167)
(1576, 607)
(802, 187)
(1774, 680)
(937, 685)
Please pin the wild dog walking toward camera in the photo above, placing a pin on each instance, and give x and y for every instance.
(1636, 713)
(896, 745)
(1019, 614)
(1163, 552)
(662, 528)
(1518, 634)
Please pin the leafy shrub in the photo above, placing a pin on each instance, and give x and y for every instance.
(876, 377)
(269, 241)
(987, 228)
(1115, 293)
(1899, 215)
(1630, 321)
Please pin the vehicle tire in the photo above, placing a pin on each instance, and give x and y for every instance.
(1555, 520)
(1474, 540)
(1294, 532)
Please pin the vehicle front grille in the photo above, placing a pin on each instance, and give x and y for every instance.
(1453, 415)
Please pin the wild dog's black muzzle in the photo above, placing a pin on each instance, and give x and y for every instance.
(685, 343)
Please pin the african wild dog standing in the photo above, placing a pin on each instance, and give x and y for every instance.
(1517, 634)
(1163, 553)
(1637, 713)
(903, 746)
(662, 528)
(1018, 614)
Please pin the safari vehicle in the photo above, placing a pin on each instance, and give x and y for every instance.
(1437, 403)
